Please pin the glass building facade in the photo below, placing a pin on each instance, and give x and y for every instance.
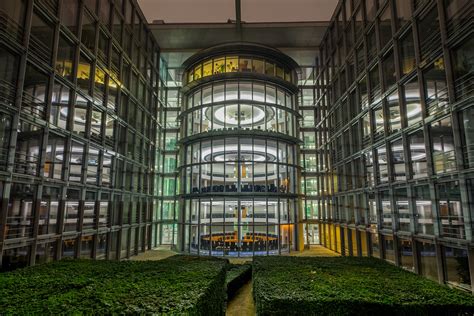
(79, 119)
(239, 156)
(367, 149)
(393, 108)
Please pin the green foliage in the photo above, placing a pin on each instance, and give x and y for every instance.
(176, 285)
(349, 286)
(237, 276)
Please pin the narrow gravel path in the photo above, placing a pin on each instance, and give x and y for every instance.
(242, 303)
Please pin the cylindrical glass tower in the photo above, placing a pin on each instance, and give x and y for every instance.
(239, 152)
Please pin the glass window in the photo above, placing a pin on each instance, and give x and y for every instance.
(207, 69)
(42, 36)
(359, 22)
(406, 254)
(416, 142)
(436, 93)
(450, 210)
(219, 65)
(258, 66)
(269, 69)
(374, 241)
(360, 58)
(28, 146)
(424, 213)
(444, 159)
(407, 49)
(231, 91)
(218, 93)
(14, 10)
(378, 116)
(117, 27)
(398, 161)
(88, 31)
(402, 209)
(389, 250)
(371, 9)
(270, 94)
(388, 70)
(71, 217)
(371, 45)
(65, 58)
(467, 134)
(363, 95)
(385, 26)
(35, 90)
(207, 94)
(457, 267)
(53, 165)
(8, 73)
(412, 102)
(245, 64)
(76, 161)
(198, 72)
(258, 92)
(456, 13)
(403, 8)
(84, 74)
(375, 85)
(463, 67)
(428, 262)
(280, 72)
(19, 221)
(395, 123)
(232, 63)
(429, 33)
(382, 174)
(5, 128)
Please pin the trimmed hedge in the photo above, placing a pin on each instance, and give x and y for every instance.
(237, 276)
(349, 286)
(176, 285)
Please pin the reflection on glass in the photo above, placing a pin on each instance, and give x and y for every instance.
(444, 159)
(450, 210)
(406, 254)
(398, 160)
(412, 102)
(428, 263)
(407, 48)
(457, 267)
(416, 142)
(424, 213)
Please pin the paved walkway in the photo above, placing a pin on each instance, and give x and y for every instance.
(315, 251)
(156, 254)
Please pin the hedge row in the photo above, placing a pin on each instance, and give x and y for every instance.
(349, 286)
(237, 276)
(176, 285)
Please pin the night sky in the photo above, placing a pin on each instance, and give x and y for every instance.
(179, 11)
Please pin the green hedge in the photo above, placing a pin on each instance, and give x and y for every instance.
(237, 276)
(349, 286)
(176, 285)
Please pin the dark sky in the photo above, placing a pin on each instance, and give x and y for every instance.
(179, 11)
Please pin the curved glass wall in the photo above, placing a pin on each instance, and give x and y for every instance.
(239, 104)
(243, 165)
(239, 226)
(236, 64)
(239, 160)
